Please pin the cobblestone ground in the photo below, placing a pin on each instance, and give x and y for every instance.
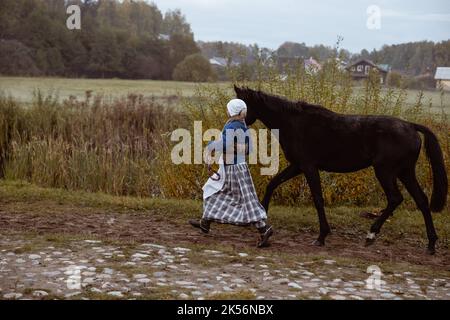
(41, 268)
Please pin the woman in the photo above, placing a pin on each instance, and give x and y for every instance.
(231, 197)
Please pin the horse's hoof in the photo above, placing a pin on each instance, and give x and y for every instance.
(370, 239)
(369, 242)
(431, 251)
(318, 243)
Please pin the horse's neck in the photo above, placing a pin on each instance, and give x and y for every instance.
(271, 119)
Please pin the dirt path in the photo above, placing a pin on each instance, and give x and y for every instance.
(44, 254)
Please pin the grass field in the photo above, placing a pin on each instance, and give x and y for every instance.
(23, 89)
(434, 99)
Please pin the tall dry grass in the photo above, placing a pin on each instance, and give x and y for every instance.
(93, 145)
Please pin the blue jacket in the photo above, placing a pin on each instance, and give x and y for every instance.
(235, 132)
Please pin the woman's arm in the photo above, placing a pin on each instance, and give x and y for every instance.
(235, 138)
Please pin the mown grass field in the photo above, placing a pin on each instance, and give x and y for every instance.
(23, 89)
(434, 100)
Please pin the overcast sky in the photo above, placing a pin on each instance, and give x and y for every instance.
(269, 23)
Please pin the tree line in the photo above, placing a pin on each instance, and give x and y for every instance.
(126, 39)
(135, 40)
(412, 59)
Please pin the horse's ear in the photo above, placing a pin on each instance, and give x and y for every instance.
(237, 89)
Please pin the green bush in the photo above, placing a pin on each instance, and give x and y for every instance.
(395, 79)
(420, 83)
(16, 59)
(194, 68)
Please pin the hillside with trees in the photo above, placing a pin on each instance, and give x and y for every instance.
(135, 40)
(413, 58)
(125, 39)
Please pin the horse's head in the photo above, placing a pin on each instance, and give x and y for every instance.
(248, 96)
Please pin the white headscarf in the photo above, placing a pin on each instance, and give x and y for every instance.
(236, 106)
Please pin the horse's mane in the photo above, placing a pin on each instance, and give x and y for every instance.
(280, 104)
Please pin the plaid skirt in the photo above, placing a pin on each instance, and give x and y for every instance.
(237, 202)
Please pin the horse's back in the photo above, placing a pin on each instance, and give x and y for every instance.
(394, 140)
(346, 143)
(387, 140)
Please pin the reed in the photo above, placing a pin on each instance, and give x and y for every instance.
(94, 145)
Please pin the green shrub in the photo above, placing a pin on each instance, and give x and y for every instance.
(395, 79)
(194, 68)
(420, 82)
(16, 59)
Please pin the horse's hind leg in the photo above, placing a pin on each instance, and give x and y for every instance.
(313, 179)
(408, 178)
(388, 181)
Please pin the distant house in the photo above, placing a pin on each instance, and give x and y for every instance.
(442, 78)
(164, 37)
(218, 62)
(340, 64)
(220, 66)
(312, 65)
(284, 62)
(360, 70)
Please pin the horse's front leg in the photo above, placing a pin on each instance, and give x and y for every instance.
(288, 173)
(313, 179)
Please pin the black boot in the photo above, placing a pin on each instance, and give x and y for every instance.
(265, 233)
(201, 224)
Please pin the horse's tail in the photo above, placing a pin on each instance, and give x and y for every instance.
(440, 182)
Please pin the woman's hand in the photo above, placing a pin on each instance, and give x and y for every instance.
(208, 158)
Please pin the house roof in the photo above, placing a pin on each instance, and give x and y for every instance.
(218, 61)
(381, 67)
(442, 73)
(384, 67)
(311, 62)
(360, 61)
(223, 62)
(163, 36)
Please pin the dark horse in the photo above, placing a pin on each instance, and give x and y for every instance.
(314, 138)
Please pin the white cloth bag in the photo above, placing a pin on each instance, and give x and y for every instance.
(211, 186)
